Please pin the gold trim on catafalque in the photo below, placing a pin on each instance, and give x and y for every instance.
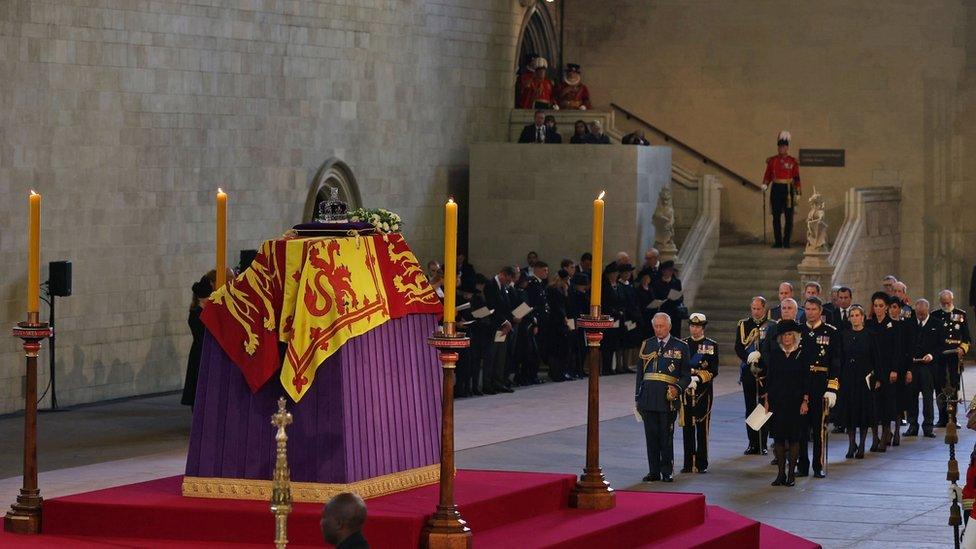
(310, 492)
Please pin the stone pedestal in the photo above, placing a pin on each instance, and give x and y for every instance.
(816, 268)
(540, 198)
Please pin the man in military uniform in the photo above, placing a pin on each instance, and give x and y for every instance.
(750, 333)
(783, 172)
(955, 345)
(697, 402)
(820, 344)
(666, 373)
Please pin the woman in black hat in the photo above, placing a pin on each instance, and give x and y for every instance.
(786, 397)
(611, 304)
(557, 340)
(201, 291)
(631, 334)
(857, 381)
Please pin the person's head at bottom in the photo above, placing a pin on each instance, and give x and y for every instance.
(343, 518)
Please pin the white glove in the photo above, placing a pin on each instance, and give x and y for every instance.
(637, 415)
(753, 357)
(555, 107)
(765, 187)
(831, 398)
(692, 385)
(582, 107)
(695, 379)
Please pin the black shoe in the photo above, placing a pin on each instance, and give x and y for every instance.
(651, 477)
(764, 451)
(819, 474)
(686, 469)
(774, 461)
(860, 453)
(911, 431)
(776, 245)
(790, 478)
(851, 450)
(838, 430)
(787, 245)
(505, 390)
(702, 471)
(803, 473)
(557, 379)
(460, 394)
(477, 393)
(490, 392)
(929, 434)
(666, 477)
(751, 451)
(780, 480)
(941, 424)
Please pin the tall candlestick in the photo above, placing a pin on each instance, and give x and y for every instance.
(34, 255)
(221, 239)
(596, 282)
(450, 259)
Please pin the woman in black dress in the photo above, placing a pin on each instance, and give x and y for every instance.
(581, 133)
(201, 291)
(630, 340)
(886, 398)
(786, 398)
(857, 381)
(611, 304)
(900, 375)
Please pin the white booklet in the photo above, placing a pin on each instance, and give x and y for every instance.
(656, 304)
(630, 325)
(522, 310)
(674, 295)
(571, 324)
(867, 379)
(463, 307)
(758, 417)
(500, 336)
(482, 312)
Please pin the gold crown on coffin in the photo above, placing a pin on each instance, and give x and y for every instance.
(333, 210)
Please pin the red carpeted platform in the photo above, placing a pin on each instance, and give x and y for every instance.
(504, 509)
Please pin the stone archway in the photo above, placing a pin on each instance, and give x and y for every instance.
(538, 36)
(333, 173)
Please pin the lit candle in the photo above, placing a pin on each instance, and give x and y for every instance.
(34, 255)
(596, 283)
(450, 259)
(221, 239)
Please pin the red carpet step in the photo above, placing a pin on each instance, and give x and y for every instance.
(504, 509)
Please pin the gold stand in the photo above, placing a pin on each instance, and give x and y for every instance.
(446, 529)
(280, 487)
(593, 490)
(952, 470)
(24, 516)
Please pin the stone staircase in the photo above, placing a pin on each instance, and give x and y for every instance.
(738, 273)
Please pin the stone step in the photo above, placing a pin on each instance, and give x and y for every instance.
(732, 283)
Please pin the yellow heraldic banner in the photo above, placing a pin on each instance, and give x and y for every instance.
(333, 291)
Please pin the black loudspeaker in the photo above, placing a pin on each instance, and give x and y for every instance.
(59, 275)
(247, 257)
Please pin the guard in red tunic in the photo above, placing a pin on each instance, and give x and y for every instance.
(783, 173)
(572, 93)
(536, 92)
(525, 74)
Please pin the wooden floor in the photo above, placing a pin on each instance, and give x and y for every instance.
(896, 499)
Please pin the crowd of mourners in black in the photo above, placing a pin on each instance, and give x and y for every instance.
(509, 349)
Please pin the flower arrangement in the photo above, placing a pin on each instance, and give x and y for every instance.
(382, 219)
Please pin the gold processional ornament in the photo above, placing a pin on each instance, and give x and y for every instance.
(281, 481)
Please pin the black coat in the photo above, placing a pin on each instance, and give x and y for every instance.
(529, 135)
(887, 344)
(499, 300)
(859, 356)
(197, 329)
(786, 385)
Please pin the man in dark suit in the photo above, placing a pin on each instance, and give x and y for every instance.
(786, 292)
(538, 132)
(342, 521)
(840, 317)
(499, 301)
(664, 375)
(925, 354)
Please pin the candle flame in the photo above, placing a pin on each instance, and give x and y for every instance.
(33, 193)
(220, 191)
(602, 194)
(450, 200)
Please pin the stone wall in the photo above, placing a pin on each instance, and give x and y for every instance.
(540, 197)
(891, 83)
(868, 243)
(127, 115)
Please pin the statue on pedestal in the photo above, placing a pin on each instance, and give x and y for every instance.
(816, 225)
(664, 224)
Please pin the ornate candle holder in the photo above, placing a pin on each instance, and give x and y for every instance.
(281, 481)
(24, 516)
(592, 490)
(952, 469)
(446, 529)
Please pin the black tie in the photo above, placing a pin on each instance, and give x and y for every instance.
(843, 315)
(660, 345)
